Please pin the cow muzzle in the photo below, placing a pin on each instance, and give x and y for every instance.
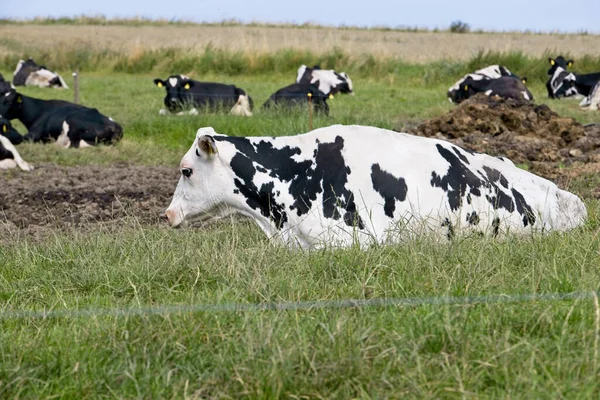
(174, 218)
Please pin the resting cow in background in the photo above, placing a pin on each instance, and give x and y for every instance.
(488, 73)
(562, 83)
(70, 125)
(328, 81)
(7, 130)
(505, 87)
(345, 185)
(28, 73)
(184, 94)
(296, 95)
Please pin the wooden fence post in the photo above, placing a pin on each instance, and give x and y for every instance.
(76, 86)
(310, 112)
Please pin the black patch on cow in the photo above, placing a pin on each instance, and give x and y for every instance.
(523, 208)
(496, 176)
(459, 178)
(263, 198)
(326, 173)
(473, 218)
(460, 155)
(450, 233)
(495, 226)
(389, 187)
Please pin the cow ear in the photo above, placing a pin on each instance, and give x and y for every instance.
(4, 128)
(570, 63)
(187, 86)
(206, 146)
(466, 87)
(159, 82)
(19, 99)
(551, 60)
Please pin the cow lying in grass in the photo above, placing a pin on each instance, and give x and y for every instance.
(343, 185)
(328, 81)
(70, 125)
(28, 73)
(297, 95)
(478, 79)
(187, 95)
(562, 83)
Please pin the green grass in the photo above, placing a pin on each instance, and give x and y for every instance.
(527, 350)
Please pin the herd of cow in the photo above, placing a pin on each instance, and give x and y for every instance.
(331, 185)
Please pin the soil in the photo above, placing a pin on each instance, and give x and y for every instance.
(55, 197)
(553, 146)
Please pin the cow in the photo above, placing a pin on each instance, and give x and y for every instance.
(185, 94)
(562, 83)
(360, 185)
(506, 87)
(328, 81)
(9, 156)
(70, 125)
(297, 95)
(9, 132)
(28, 73)
(488, 73)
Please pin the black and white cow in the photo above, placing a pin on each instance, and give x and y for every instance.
(455, 94)
(9, 132)
(506, 87)
(9, 156)
(28, 73)
(562, 83)
(335, 186)
(328, 81)
(71, 125)
(297, 94)
(185, 94)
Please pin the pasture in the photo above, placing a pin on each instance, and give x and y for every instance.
(81, 232)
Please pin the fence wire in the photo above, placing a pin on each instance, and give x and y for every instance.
(294, 306)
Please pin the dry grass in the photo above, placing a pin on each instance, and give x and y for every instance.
(414, 47)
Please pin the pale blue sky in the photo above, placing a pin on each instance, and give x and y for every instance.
(536, 15)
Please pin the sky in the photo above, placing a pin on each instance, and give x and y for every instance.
(499, 15)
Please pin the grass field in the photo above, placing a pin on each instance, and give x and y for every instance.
(535, 349)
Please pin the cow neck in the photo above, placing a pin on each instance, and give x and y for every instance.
(31, 110)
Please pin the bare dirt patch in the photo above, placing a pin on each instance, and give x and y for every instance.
(57, 197)
(555, 147)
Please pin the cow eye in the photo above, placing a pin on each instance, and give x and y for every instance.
(187, 172)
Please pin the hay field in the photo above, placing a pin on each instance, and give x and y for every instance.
(413, 47)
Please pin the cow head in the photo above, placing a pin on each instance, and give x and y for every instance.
(7, 130)
(558, 62)
(10, 101)
(203, 182)
(563, 83)
(177, 87)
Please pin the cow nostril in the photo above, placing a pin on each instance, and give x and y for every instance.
(187, 172)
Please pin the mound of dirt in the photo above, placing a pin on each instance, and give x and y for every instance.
(53, 196)
(523, 132)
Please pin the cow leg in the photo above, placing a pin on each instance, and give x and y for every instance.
(64, 139)
(10, 156)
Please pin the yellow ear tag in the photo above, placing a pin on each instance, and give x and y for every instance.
(331, 96)
(524, 81)
(19, 99)
(159, 84)
(187, 86)
(569, 64)
(466, 87)
(551, 62)
(4, 128)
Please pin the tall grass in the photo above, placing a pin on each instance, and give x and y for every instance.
(212, 60)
